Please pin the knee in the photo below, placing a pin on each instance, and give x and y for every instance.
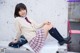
(50, 25)
(46, 27)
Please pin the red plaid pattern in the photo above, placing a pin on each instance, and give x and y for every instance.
(37, 42)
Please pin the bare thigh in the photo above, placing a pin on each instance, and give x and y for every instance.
(46, 29)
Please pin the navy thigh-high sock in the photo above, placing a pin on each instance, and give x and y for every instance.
(54, 33)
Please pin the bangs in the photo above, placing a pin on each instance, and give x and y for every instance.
(21, 7)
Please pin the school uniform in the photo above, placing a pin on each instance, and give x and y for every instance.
(32, 32)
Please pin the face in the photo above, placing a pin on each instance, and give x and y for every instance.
(22, 13)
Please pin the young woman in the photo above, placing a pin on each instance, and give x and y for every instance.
(33, 32)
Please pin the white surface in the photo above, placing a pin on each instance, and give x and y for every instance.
(51, 45)
(48, 47)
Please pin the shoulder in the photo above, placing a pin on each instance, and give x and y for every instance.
(17, 18)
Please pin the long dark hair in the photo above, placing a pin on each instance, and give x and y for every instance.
(18, 8)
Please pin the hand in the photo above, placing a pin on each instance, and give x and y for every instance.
(47, 22)
(15, 41)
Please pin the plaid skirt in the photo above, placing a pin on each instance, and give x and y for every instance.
(38, 41)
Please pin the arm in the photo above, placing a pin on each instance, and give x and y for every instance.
(40, 25)
(18, 30)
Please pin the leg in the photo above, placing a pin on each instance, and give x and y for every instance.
(46, 29)
(54, 33)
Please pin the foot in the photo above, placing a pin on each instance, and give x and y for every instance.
(61, 43)
(67, 41)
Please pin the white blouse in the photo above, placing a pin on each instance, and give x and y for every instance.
(25, 28)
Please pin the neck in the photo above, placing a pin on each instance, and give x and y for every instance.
(24, 16)
(27, 20)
